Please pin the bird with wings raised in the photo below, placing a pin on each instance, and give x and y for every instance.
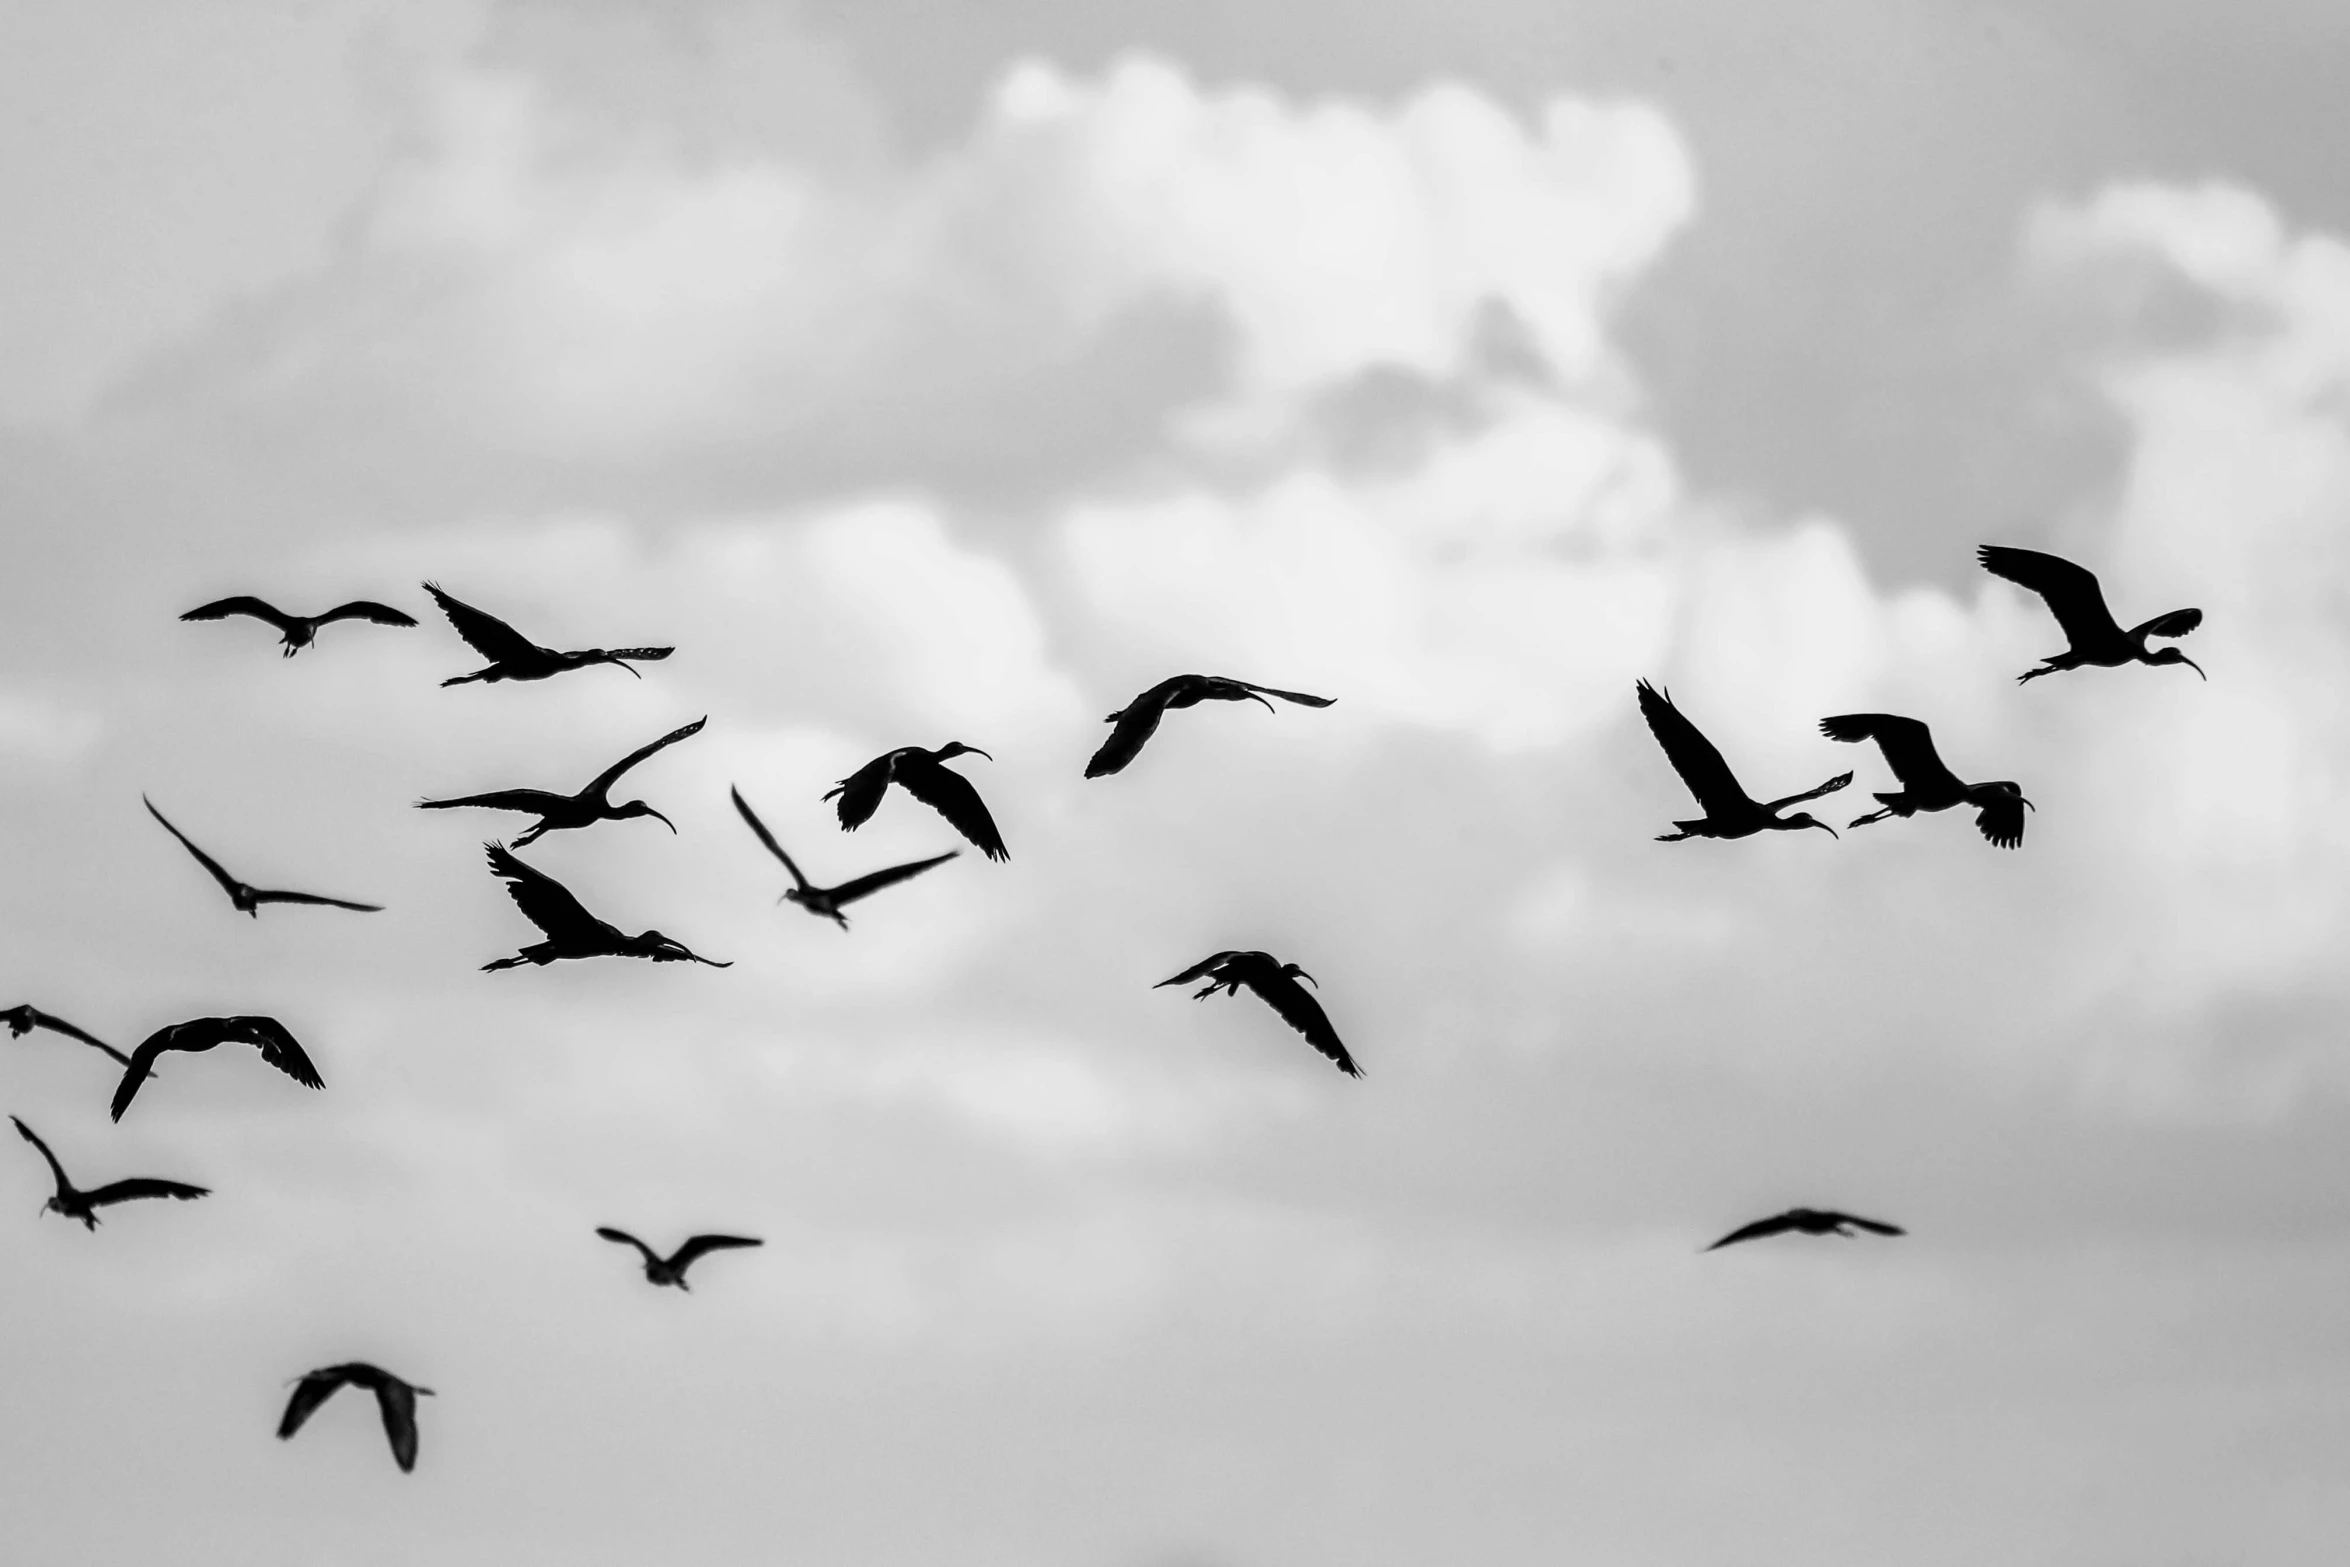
(513, 656)
(75, 1203)
(276, 1043)
(1805, 1221)
(593, 803)
(1139, 719)
(828, 902)
(1276, 984)
(395, 1400)
(22, 1020)
(1729, 812)
(297, 632)
(924, 775)
(1926, 784)
(247, 899)
(671, 1269)
(571, 931)
(2078, 603)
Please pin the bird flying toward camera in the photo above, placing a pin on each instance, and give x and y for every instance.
(829, 901)
(24, 1019)
(244, 897)
(671, 1269)
(395, 1400)
(277, 1045)
(296, 632)
(75, 1203)
(1805, 1221)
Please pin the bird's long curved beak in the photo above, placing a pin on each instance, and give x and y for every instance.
(2029, 806)
(663, 820)
(976, 749)
(1252, 696)
(2191, 664)
(1824, 827)
(625, 664)
(1308, 978)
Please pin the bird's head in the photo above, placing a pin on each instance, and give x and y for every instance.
(2171, 655)
(955, 748)
(640, 808)
(1292, 971)
(19, 1019)
(1805, 819)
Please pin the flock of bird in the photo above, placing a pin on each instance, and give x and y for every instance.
(569, 931)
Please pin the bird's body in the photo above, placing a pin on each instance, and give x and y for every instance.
(556, 812)
(827, 902)
(2078, 603)
(24, 1019)
(1926, 783)
(572, 932)
(1729, 811)
(75, 1203)
(1276, 984)
(276, 1043)
(513, 656)
(394, 1399)
(924, 775)
(1139, 719)
(1805, 1221)
(297, 632)
(670, 1270)
(247, 899)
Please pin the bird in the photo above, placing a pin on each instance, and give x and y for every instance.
(572, 932)
(75, 1203)
(923, 775)
(248, 899)
(1809, 1221)
(1139, 719)
(592, 804)
(1926, 784)
(1276, 984)
(1729, 813)
(24, 1019)
(671, 1270)
(299, 631)
(513, 656)
(2078, 604)
(395, 1398)
(829, 901)
(276, 1043)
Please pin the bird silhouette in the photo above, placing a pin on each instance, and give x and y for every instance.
(248, 899)
(829, 901)
(75, 1203)
(1729, 813)
(1276, 984)
(556, 812)
(394, 1398)
(2074, 598)
(24, 1019)
(1139, 719)
(1926, 784)
(513, 656)
(277, 1045)
(572, 932)
(299, 631)
(1808, 1221)
(924, 775)
(671, 1269)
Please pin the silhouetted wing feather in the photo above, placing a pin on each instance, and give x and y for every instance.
(143, 1186)
(611, 775)
(397, 1402)
(626, 1239)
(36, 1018)
(1136, 724)
(1907, 744)
(860, 793)
(1693, 756)
(644, 655)
(1840, 781)
(55, 1168)
(1289, 696)
(1200, 970)
(278, 1047)
(2071, 592)
(2177, 623)
(489, 636)
(368, 609)
(535, 801)
(546, 902)
(2002, 822)
(1778, 1224)
(265, 895)
(1872, 1225)
(1297, 1007)
(708, 1243)
(759, 830)
(954, 797)
(863, 886)
(228, 883)
(142, 1065)
(242, 604)
(313, 1390)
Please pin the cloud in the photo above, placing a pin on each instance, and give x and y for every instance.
(45, 729)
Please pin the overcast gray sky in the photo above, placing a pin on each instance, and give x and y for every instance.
(930, 371)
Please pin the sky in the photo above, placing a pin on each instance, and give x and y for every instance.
(929, 372)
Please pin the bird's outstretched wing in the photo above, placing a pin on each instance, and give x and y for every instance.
(266, 895)
(1777, 1224)
(1840, 781)
(26, 1018)
(277, 1045)
(611, 775)
(1289, 696)
(954, 797)
(1907, 744)
(242, 604)
(313, 1390)
(489, 636)
(626, 1239)
(142, 1065)
(55, 1168)
(643, 655)
(143, 1186)
(708, 1243)
(865, 886)
(1200, 970)
(1296, 1006)
(2001, 820)
(368, 609)
(396, 1400)
(2071, 592)
(1694, 757)
(860, 793)
(759, 830)
(534, 801)
(1134, 723)
(544, 901)
(2176, 623)
(1871, 1225)
(229, 884)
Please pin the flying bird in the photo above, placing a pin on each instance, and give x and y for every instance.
(23, 1020)
(1139, 719)
(513, 656)
(671, 1270)
(592, 804)
(299, 631)
(248, 899)
(1276, 984)
(2078, 604)
(572, 932)
(1926, 784)
(829, 901)
(278, 1047)
(1808, 1221)
(75, 1203)
(395, 1398)
(1729, 813)
(923, 775)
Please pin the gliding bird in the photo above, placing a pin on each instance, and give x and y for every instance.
(1926, 784)
(572, 932)
(1139, 719)
(394, 1398)
(1809, 1221)
(592, 804)
(299, 631)
(23, 1020)
(277, 1045)
(1729, 813)
(2074, 598)
(829, 901)
(671, 1269)
(75, 1203)
(1276, 984)
(513, 656)
(923, 775)
(248, 899)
